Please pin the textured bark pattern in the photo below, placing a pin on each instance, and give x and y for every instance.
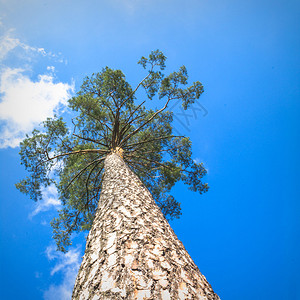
(131, 251)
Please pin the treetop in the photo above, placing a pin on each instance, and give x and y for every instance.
(108, 116)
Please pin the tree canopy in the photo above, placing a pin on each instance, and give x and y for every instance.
(108, 117)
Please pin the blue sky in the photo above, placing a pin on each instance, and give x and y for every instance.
(244, 233)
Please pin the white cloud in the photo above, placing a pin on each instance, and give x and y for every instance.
(8, 43)
(68, 264)
(50, 200)
(25, 103)
(51, 68)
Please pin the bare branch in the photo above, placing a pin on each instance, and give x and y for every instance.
(91, 140)
(144, 124)
(151, 140)
(141, 82)
(153, 161)
(129, 123)
(131, 114)
(134, 165)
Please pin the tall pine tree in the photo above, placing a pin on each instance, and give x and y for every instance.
(128, 157)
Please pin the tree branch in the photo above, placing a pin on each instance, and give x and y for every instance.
(82, 170)
(98, 121)
(153, 161)
(91, 140)
(87, 182)
(148, 121)
(151, 140)
(134, 165)
(127, 121)
(77, 152)
(141, 82)
(105, 104)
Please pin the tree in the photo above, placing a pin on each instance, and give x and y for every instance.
(112, 138)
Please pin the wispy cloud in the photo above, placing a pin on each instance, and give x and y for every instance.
(9, 43)
(68, 264)
(50, 201)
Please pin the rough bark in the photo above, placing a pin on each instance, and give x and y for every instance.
(131, 250)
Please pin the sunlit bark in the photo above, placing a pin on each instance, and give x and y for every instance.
(131, 250)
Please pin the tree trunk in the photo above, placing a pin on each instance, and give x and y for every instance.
(131, 250)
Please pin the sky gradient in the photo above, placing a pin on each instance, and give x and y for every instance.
(244, 233)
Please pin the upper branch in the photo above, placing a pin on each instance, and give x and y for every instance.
(77, 152)
(137, 87)
(151, 140)
(91, 140)
(145, 123)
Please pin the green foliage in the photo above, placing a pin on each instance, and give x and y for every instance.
(107, 115)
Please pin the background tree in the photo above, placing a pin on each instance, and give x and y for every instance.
(108, 117)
